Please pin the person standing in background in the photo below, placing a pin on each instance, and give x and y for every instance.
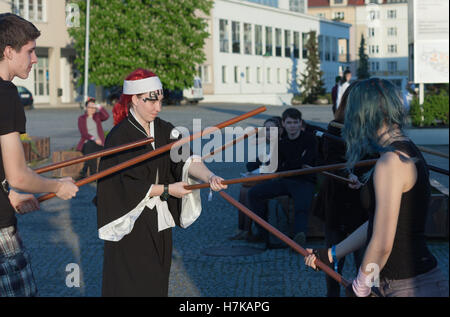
(345, 82)
(334, 93)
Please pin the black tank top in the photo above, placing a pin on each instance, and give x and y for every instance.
(410, 255)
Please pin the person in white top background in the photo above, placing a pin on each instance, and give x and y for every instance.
(345, 82)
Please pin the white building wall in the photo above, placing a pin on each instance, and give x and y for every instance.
(382, 39)
(272, 92)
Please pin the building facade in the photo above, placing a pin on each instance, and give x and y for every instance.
(344, 11)
(256, 53)
(51, 79)
(385, 27)
(384, 24)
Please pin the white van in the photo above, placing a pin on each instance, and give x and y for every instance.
(195, 93)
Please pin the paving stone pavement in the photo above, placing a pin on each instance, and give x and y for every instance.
(65, 232)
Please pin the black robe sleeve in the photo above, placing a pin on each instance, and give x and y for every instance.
(121, 192)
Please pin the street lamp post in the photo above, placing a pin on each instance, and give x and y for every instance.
(86, 53)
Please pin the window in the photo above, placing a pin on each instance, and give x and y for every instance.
(334, 49)
(392, 14)
(223, 34)
(268, 75)
(337, 1)
(374, 15)
(296, 45)
(20, 8)
(258, 75)
(287, 43)
(371, 32)
(338, 15)
(327, 48)
(392, 48)
(297, 5)
(203, 73)
(224, 74)
(304, 41)
(321, 15)
(288, 72)
(236, 37)
(247, 38)
(247, 74)
(236, 74)
(278, 76)
(258, 40)
(392, 66)
(373, 49)
(392, 31)
(374, 66)
(278, 42)
(269, 41)
(41, 77)
(32, 10)
(40, 10)
(320, 44)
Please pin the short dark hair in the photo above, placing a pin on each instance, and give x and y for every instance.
(344, 77)
(15, 32)
(292, 113)
(275, 120)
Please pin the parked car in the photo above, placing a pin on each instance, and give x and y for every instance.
(195, 93)
(25, 96)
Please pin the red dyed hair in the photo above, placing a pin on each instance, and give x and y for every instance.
(120, 110)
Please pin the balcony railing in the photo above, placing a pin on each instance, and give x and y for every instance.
(389, 73)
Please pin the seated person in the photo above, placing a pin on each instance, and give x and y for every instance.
(297, 148)
(244, 222)
(92, 135)
(272, 122)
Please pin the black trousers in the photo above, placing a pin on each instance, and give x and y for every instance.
(332, 237)
(91, 165)
(301, 190)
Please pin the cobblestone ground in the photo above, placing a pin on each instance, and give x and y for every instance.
(66, 232)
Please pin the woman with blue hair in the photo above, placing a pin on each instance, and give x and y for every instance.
(396, 195)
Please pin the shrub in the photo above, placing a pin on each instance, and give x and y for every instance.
(434, 113)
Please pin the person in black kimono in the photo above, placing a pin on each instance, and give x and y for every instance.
(138, 206)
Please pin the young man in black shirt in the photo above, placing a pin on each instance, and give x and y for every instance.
(17, 56)
(296, 149)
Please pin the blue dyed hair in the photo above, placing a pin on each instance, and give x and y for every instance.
(371, 104)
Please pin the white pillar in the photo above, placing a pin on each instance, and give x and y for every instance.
(421, 93)
(86, 54)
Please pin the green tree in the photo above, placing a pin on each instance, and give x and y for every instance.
(165, 36)
(363, 66)
(311, 82)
